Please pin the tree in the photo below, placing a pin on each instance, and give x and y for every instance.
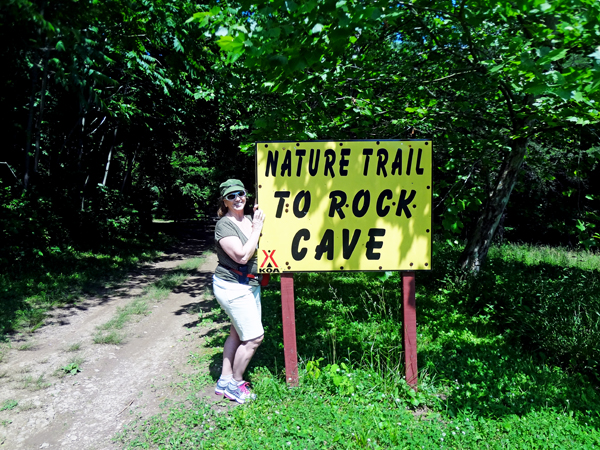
(486, 78)
(112, 110)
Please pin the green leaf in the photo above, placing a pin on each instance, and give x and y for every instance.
(60, 46)
(578, 96)
(278, 60)
(562, 93)
(578, 120)
(537, 88)
(291, 6)
(274, 32)
(596, 54)
(222, 31)
(177, 45)
(317, 28)
(260, 123)
(496, 68)
(556, 78)
(553, 55)
(232, 45)
(385, 275)
(200, 17)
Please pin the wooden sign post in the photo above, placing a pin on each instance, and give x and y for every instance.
(289, 329)
(409, 310)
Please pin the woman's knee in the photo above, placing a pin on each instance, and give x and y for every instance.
(257, 341)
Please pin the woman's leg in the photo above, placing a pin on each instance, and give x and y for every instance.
(243, 355)
(229, 352)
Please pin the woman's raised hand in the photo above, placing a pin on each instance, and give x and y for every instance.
(258, 219)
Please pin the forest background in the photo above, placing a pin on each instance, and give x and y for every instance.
(118, 113)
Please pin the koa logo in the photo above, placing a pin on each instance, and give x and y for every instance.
(269, 268)
(269, 256)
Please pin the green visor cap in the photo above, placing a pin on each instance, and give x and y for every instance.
(230, 186)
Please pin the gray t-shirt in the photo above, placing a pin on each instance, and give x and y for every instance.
(224, 228)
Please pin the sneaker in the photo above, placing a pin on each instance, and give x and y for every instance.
(249, 394)
(239, 393)
(221, 386)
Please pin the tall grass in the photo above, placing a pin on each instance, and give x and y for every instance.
(507, 360)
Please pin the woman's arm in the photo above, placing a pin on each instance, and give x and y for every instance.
(232, 245)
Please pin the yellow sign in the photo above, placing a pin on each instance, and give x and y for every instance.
(345, 205)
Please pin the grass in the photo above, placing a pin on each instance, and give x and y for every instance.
(108, 333)
(137, 307)
(63, 277)
(161, 289)
(111, 338)
(34, 384)
(27, 406)
(74, 347)
(26, 346)
(507, 359)
(9, 404)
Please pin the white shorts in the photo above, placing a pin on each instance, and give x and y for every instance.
(241, 302)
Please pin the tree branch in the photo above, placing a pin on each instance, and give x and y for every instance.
(449, 76)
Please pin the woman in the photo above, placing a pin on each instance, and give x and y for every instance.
(236, 287)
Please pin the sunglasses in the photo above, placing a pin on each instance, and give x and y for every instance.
(233, 195)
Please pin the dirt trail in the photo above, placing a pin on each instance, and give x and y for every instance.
(117, 382)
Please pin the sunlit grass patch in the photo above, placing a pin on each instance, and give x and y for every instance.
(156, 291)
(160, 289)
(112, 337)
(9, 404)
(319, 415)
(74, 347)
(557, 256)
(32, 383)
(29, 345)
(192, 264)
(124, 314)
(167, 283)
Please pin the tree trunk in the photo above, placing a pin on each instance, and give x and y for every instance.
(109, 157)
(34, 77)
(83, 192)
(475, 253)
(83, 109)
(81, 131)
(129, 169)
(42, 98)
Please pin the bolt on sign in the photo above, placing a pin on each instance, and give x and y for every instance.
(345, 205)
